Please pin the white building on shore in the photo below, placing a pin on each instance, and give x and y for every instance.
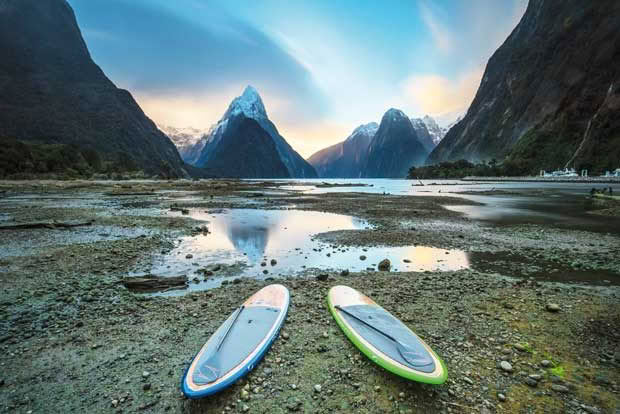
(567, 172)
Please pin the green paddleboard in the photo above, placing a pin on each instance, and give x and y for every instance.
(384, 338)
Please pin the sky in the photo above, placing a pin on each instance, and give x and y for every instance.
(322, 67)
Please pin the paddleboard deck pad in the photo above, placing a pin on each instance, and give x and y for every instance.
(366, 324)
(238, 344)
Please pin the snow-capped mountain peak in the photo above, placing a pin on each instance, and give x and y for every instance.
(369, 129)
(182, 136)
(249, 103)
(189, 141)
(394, 113)
(436, 132)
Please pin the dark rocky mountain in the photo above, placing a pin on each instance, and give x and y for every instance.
(246, 150)
(345, 159)
(395, 148)
(249, 105)
(51, 92)
(550, 95)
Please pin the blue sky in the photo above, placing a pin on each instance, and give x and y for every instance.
(322, 66)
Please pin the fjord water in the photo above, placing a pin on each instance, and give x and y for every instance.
(243, 243)
(555, 203)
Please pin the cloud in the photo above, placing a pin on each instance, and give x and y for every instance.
(441, 36)
(437, 95)
(180, 52)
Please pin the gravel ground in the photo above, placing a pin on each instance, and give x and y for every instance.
(516, 337)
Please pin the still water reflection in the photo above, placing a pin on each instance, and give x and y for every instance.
(267, 243)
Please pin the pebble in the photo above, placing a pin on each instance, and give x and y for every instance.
(384, 265)
(322, 277)
(501, 397)
(285, 336)
(560, 388)
(506, 366)
(468, 380)
(553, 307)
(545, 363)
(325, 335)
(362, 257)
(531, 382)
(189, 256)
(377, 388)
(245, 408)
(245, 395)
(317, 388)
(146, 386)
(344, 272)
(274, 262)
(145, 374)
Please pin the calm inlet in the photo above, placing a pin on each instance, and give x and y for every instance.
(276, 243)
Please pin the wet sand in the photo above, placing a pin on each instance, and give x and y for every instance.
(74, 339)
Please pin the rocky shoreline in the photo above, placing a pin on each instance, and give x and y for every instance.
(537, 179)
(74, 339)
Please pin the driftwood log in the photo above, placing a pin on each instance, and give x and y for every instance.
(152, 283)
(45, 225)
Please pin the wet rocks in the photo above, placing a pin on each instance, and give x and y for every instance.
(505, 366)
(322, 277)
(293, 404)
(384, 265)
(531, 382)
(560, 388)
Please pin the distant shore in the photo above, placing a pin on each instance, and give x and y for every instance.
(594, 180)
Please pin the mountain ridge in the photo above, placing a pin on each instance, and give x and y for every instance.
(395, 147)
(551, 106)
(250, 105)
(345, 159)
(52, 92)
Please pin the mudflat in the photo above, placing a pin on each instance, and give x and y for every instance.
(530, 324)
